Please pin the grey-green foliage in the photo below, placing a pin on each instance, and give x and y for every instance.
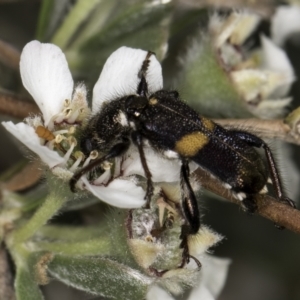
(25, 284)
(134, 26)
(206, 86)
(100, 276)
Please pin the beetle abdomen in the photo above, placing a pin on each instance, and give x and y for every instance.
(233, 162)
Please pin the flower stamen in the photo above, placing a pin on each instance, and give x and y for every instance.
(103, 178)
(73, 144)
(67, 102)
(93, 155)
(59, 138)
(80, 157)
(62, 131)
(71, 130)
(73, 116)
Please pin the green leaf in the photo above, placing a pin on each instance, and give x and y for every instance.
(127, 22)
(97, 20)
(51, 16)
(44, 19)
(75, 18)
(25, 285)
(100, 276)
(207, 87)
(138, 25)
(52, 204)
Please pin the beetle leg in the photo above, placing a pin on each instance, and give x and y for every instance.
(138, 141)
(115, 151)
(250, 204)
(188, 199)
(255, 141)
(190, 210)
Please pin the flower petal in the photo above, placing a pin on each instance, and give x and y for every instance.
(285, 21)
(235, 28)
(155, 292)
(120, 193)
(257, 84)
(46, 76)
(162, 169)
(215, 272)
(28, 137)
(275, 59)
(271, 108)
(119, 76)
(201, 292)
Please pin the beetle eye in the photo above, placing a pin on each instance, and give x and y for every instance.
(129, 100)
(130, 105)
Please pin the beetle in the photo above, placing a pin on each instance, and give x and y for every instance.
(177, 131)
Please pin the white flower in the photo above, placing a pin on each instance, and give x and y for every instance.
(262, 77)
(46, 76)
(285, 22)
(213, 276)
(119, 76)
(229, 32)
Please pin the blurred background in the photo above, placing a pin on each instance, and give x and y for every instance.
(265, 261)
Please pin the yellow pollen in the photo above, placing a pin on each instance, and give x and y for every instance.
(44, 133)
(67, 102)
(72, 140)
(59, 138)
(94, 154)
(72, 130)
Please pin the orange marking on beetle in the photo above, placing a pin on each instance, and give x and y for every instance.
(208, 124)
(153, 101)
(190, 144)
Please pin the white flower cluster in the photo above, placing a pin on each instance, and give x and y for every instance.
(263, 77)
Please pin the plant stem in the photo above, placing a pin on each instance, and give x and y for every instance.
(9, 55)
(267, 207)
(266, 129)
(99, 246)
(45, 212)
(16, 106)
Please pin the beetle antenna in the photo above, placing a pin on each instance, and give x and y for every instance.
(142, 88)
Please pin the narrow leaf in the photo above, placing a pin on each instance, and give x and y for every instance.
(77, 16)
(51, 17)
(100, 276)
